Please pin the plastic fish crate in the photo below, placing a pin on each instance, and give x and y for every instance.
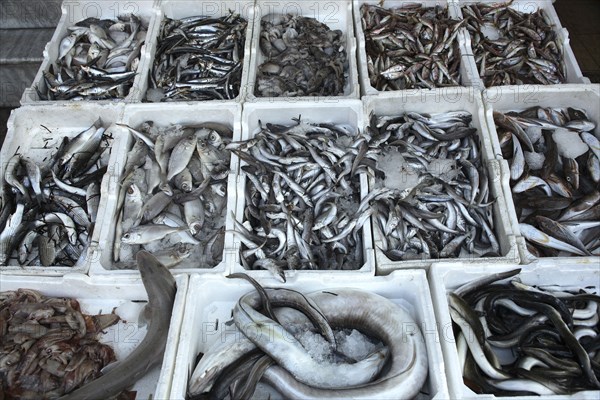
(163, 115)
(509, 98)
(348, 112)
(35, 132)
(75, 11)
(446, 278)
(466, 65)
(178, 9)
(572, 70)
(439, 101)
(336, 14)
(211, 298)
(127, 297)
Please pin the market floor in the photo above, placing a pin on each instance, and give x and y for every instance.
(580, 17)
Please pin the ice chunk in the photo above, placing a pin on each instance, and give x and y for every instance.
(154, 95)
(397, 176)
(569, 143)
(534, 133)
(534, 160)
(443, 168)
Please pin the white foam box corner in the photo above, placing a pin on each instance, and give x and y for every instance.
(446, 278)
(179, 9)
(336, 14)
(514, 98)
(36, 133)
(572, 71)
(465, 68)
(440, 101)
(75, 11)
(211, 298)
(347, 112)
(127, 297)
(164, 115)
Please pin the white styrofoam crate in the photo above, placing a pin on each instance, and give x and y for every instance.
(36, 132)
(178, 9)
(163, 115)
(466, 65)
(572, 71)
(336, 14)
(127, 297)
(75, 11)
(513, 98)
(211, 298)
(446, 278)
(347, 112)
(440, 101)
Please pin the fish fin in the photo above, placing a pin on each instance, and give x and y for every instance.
(144, 317)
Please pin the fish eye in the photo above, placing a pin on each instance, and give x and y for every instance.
(213, 137)
(126, 236)
(130, 190)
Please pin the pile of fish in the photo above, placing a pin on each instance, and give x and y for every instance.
(198, 58)
(303, 205)
(432, 200)
(411, 46)
(554, 162)
(48, 208)
(173, 195)
(513, 47)
(265, 344)
(48, 347)
(97, 60)
(304, 57)
(519, 340)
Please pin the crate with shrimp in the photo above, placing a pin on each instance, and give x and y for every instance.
(209, 329)
(511, 366)
(113, 326)
(426, 148)
(425, 58)
(56, 163)
(173, 188)
(96, 54)
(547, 141)
(300, 191)
(200, 52)
(303, 51)
(517, 43)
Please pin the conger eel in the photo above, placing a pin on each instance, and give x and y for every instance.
(161, 289)
(380, 318)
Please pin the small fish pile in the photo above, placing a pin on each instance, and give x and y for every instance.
(266, 343)
(519, 340)
(173, 195)
(48, 208)
(432, 200)
(554, 162)
(48, 347)
(411, 46)
(97, 60)
(198, 58)
(304, 57)
(513, 47)
(302, 198)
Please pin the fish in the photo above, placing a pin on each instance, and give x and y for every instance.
(161, 290)
(302, 57)
(198, 59)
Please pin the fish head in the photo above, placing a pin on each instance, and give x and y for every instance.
(131, 237)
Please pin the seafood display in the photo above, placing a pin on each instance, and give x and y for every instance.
(513, 47)
(303, 206)
(49, 207)
(431, 196)
(48, 347)
(303, 57)
(514, 339)
(272, 326)
(411, 46)
(161, 290)
(554, 160)
(198, 58)
(173, 195)
(97, 60)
